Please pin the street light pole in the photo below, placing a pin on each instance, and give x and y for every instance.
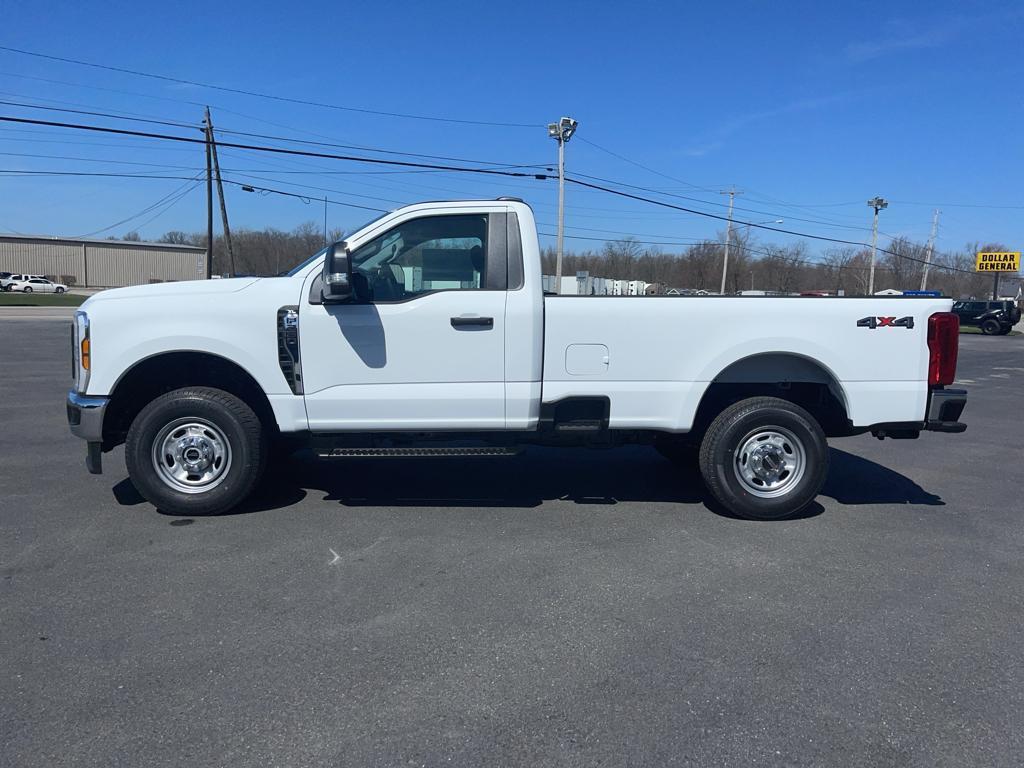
(561, 132)
(878, 204)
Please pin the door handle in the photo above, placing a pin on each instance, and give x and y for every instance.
(460, 322)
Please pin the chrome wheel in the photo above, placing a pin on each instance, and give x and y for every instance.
(191, 455)
(769, 462)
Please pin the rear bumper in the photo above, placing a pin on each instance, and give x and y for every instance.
(85, 417)
(943, 415)
(944, 409)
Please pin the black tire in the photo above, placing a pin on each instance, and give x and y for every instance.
(59, 290)
(1004, 330)
(990, 327)
(27, 289)
(741, 424)
(234, 424)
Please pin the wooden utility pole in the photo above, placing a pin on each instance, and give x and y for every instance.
(728, 236)
(931, 250)
(220, 193)
(209, 201)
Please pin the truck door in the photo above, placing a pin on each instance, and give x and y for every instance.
(422, 345)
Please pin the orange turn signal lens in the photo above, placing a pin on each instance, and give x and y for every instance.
(85, 354)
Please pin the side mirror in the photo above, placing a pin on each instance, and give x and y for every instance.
(337, 275)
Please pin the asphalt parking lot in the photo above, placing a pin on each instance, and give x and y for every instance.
(556, 608)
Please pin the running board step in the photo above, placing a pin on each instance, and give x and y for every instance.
(349, 453)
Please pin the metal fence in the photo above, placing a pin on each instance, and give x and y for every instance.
(101, 263)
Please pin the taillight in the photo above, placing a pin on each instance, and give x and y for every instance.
(943, 346)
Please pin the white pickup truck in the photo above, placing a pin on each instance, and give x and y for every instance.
(427, 333)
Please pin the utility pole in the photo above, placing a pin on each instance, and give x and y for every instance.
(931, 250)
(561, 132)
(878, 204)
(209, 206)
(325, 222)
(728, 236)
(220, 193)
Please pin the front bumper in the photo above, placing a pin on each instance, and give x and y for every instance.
(85, 417)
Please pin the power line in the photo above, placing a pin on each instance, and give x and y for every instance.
(108, 115)
(756, 225)
(276, 150)
(821, 222)
(306, 198)
(270, 137)
(96, 160)
(177, 194)
(644, 167)
(201, 104)
(961, 205)
(274, 97)
(485, 171)
(708, 189)
(112, 115)
(309, 198)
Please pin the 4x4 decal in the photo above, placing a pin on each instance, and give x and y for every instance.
(886, 322)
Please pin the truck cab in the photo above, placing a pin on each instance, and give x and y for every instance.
(427, 332)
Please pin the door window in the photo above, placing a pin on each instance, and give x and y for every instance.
(433, 253)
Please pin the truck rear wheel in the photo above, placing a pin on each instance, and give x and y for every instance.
(764, 458)
(196, 451)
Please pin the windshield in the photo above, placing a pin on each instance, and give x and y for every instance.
(296, 269)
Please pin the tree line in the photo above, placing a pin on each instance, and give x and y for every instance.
(753, 265)
(257, 251)
(790, 268)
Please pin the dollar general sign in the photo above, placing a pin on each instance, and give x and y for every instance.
(998, 261)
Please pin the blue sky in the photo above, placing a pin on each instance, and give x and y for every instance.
(809, 108)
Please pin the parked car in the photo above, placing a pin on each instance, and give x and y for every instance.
(992, 317)
(7, 279)
(428, 333)
(37, 285)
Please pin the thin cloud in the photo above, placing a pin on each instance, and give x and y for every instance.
(903, 40)
(909, 35)
(715, 139)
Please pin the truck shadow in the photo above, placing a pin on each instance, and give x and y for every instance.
(600, 477)
(854, 480)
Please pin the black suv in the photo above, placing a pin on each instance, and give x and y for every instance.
(993, 317)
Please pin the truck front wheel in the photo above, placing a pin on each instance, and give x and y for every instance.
(196, 451)
(764, 458)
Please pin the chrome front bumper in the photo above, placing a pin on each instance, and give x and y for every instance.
(85, 417)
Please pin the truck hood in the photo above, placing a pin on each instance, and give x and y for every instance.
(171, 290)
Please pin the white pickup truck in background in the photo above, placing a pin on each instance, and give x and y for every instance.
(427, 333)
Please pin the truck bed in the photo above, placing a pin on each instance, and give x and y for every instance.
(654, 356)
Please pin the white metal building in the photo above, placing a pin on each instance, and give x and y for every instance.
(101, 263)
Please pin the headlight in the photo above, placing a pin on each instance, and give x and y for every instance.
(83, 351)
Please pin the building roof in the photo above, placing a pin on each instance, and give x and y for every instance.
(96, 241)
